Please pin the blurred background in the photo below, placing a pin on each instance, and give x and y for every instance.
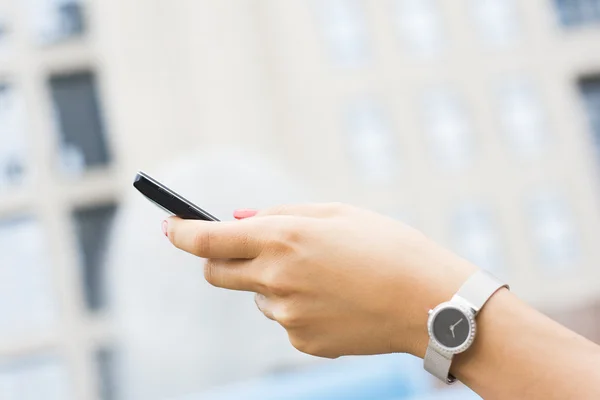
(475, 121)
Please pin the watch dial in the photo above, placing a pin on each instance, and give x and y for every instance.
(451, 327)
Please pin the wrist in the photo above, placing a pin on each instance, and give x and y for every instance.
(433, 287)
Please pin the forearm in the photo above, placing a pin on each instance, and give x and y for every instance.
(520, 353)
(345, 281)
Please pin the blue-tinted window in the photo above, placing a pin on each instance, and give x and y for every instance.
(496, 21)
(578, 12)
(419, 26)
(56, 20)
(83, 142)
(522, 117)
(12, 138)
(106, 368)
(32, 378)
(476, 237)
(371, 142)
(93, 226)
(553, 231)
(344, 29)
(27, 302)
(590, 91)
(3, 29)
(447, 129)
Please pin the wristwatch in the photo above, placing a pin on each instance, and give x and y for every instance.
(451, 325)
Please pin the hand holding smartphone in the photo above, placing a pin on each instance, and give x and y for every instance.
(168, 200)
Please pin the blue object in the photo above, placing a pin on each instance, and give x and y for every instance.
(385, 377)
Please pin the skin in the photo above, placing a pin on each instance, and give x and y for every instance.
(346, 281)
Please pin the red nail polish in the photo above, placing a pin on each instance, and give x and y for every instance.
(165, 228)
(244, 213)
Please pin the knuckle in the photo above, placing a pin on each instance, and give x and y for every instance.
(275, 281)
(289, 235)
(287, 317)
(292, 235)
(202, 242)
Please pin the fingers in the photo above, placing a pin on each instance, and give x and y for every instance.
(231, 274)
(243, 239)
(264, 306)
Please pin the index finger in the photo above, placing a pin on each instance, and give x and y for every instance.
(237, 239)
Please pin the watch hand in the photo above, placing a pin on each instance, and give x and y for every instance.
(452, 330)
(459, 321)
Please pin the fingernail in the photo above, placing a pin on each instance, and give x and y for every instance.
(165, 228)
(244, 213)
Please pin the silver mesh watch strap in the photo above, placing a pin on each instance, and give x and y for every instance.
(438, 364)
(474, 293)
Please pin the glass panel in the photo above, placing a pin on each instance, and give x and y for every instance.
(3, 31)
(553, 230)
(105, 360)
(568, 12)
(371, 142)
(79, 122)
(12, 140)
(419, 25)
(477, 239)
(523, 120)
(345, 30)
(27, 301)
(93, 227)
(56, 20)
(577, 12)
(34, 379)
(590, 90)
(447, 129)
(496, 21)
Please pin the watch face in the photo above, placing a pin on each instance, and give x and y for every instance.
(451, 327)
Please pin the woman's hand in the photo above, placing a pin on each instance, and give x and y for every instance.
(339, 279)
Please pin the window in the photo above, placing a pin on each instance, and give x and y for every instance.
(577, 12)
(447, 129)
(3, 31)
(5, 42)
(106, 364)
(345, 31)
(34, 378)
(27, 300)
(419, 26)
(496, 21)
(371, 141)
(12, 141)
(56, 20)
(93, 228)
(590, 91)
(522, 118)
(476, 237)
(553, 230)
(79, 122)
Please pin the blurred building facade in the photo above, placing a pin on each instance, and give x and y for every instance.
(477, 121)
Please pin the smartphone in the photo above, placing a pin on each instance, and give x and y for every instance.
(168, 200)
